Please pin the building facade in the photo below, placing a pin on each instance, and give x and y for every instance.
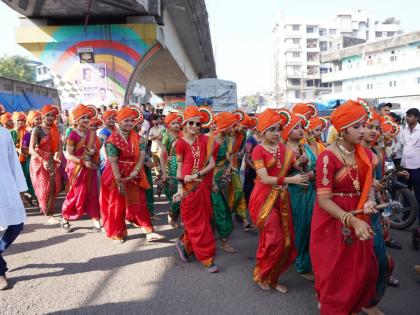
(299, 43)
(386, 70)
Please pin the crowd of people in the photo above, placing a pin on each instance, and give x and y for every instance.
(308, 184)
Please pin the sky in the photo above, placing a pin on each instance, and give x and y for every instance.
(241, 32)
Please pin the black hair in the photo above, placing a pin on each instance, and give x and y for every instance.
(413, 112)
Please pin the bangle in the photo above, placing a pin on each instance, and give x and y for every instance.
(280, 180)
(345, 218)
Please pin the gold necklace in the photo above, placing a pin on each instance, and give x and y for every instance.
(343, 149)
(355, 181)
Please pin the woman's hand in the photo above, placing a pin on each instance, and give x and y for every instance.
(46, 165)
(178, 196)
(90, 165)
(121, 188)
(369, 207)
(303, 158)
(300, 179)
(90, 151)
(362, 230)
(311, 176)
(377, 184)
(134, 173)
(214, 188)
(190, 178)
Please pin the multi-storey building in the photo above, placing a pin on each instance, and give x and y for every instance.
(299, 42)
(386, 70)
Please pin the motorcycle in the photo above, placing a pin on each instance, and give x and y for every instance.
(402, 211)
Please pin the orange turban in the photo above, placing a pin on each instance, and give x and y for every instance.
(191, 113)
(108, 114)
(95, 121)
(318, 121)
(296, 120)
(49, 109)
(55, 133)
(225, 120)
(5, 118)
(19, 116)
(127, 112)
(347, 115)
(32, 116)
(305, 109)
(270, 118)
(387, 128)
(171, 117)
(374, 115)
(82, 110)
(206, 116)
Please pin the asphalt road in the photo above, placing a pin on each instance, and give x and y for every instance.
(83, 272)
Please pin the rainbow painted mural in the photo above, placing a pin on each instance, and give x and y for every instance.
(120, 47)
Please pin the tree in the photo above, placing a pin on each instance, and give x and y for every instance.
(17, 68)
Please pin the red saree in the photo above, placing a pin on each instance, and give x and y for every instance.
(345, 272)
(83, 195)
(116, 208)
(47, 183)
(196, 209)
(271, 211)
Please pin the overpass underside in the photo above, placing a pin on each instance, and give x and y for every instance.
(101, 63)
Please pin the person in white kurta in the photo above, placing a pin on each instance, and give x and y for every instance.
(12, 211)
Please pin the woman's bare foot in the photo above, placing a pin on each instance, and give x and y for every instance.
(308, 276)
(264, 286)
(153, 237)
(373, 311)
(281, 288)
(51, 220)
(172, 222)
(227, 248)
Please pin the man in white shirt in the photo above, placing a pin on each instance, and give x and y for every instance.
(410, 160)
(12, 185)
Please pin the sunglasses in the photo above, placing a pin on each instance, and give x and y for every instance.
(197, 124)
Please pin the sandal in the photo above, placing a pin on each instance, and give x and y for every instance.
(393, 244)
(153, 237)
(65, 225)
(249, 227)
(393, 282)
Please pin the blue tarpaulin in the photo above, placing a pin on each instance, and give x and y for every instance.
(23, 103)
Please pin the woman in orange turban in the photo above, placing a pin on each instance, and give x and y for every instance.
(269, 205)
(45, 150)
(109, 118)
(302, 197)
(341, 245)
(236, 196)
(124, 181)
(196, 155)
(33, 119)
(316, 127)
(222, 177)
(82, 163)
(7, 121)
(169, 164)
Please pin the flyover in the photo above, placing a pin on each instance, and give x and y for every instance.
(160, 44)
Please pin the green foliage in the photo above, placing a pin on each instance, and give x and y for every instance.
(17, 68)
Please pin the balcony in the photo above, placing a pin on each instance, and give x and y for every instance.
(373, 70)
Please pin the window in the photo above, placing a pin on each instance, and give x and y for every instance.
(322, 32)
(295, 81)
(392, 83)
(310, 29)
(393, 58)
(418, 80)
(369, 86)
(295, 27)
(297, 94)
(296, 41)
(323, 46)
(332, 31)
(311, 43)
(389, 34)
(39, 70)
(45, 70)
(378, 34)
(296, 54)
